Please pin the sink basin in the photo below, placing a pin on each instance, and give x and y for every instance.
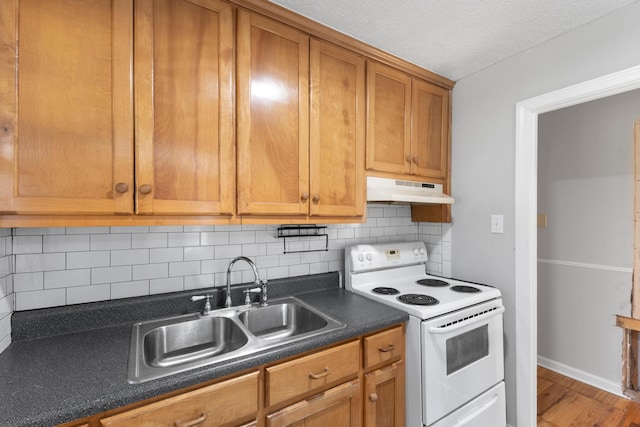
(170, 345)
(191, 340)
(280, 321)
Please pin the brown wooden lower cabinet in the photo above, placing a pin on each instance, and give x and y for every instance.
(230, 402)
(338, 406)
(384, 396)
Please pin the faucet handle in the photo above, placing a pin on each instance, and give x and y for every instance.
(247, 295)
(207, 304)
(263, 288)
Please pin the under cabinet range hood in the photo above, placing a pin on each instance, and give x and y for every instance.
(397, 191)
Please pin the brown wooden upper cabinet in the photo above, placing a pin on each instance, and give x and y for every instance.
(300, 134)
(67, 111)
(407, 124)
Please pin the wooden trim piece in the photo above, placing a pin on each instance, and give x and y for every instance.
(628, 323)
(635, 293)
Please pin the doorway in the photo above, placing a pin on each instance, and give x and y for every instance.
(585, 249)
(526, 148)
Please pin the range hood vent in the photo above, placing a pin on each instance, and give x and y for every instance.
(397, 191)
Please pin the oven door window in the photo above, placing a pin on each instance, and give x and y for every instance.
(466, 348)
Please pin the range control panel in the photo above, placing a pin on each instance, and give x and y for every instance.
(372, 257)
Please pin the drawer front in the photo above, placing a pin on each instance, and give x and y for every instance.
(312, 372)
(383, 347)
(225, 402)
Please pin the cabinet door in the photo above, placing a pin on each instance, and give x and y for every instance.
(384, 396)
(273, 117)
(185, 159)
(337, 131)
(66, 120)
(230, 402)
(429, 129)
(388, 119)
(339, 406)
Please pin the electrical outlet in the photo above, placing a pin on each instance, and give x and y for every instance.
(497, 223)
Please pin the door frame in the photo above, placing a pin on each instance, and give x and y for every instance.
(526, 246)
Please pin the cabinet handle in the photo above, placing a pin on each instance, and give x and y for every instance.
(414, 160)
(373, 397)
(387, 349)
(304, 197)
(145, 189)
(122, 187)
(201, 419)
(316, 198)
(322, 374)
(409, 159)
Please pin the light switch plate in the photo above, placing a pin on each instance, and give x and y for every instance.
(497, 223)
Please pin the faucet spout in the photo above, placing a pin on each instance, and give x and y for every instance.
(256, 275)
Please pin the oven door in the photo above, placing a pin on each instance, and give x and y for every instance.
(462, 357)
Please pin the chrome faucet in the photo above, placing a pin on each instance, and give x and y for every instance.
(257, 281)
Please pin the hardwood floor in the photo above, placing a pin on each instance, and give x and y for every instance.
(565, 402)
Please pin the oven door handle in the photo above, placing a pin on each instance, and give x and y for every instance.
(462, 323)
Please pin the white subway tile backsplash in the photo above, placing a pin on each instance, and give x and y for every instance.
(27, 245)
(37, 231)
(130, 257)
(166, 255)
(67, 278)
(242, 237)
(66, 243)
(183, 239)
(149, 240)
(84, 294)
(228, 251)
(39, 299)
(6, 306)
(186, 268)
(150, 271)
(129, 289)
(88, 259)
(58, 266)
(129, 229)
(105, 242)
(198, 281)
(214, 238)
(87, 230)
(23, 282)
(5, 266)
(198, 253)
(162, 286)
(102, 275)
(37, 262)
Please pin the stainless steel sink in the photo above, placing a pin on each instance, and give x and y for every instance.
(175, 344)
(190, 340)
(280, 321)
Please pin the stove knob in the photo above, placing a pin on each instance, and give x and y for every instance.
(422, 251)
(369, 257)
(360, 257)
(415, 251)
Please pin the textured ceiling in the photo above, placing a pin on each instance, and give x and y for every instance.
(454, 38)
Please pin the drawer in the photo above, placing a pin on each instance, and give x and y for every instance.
(313, 372)
(384, 346)
(226, 402)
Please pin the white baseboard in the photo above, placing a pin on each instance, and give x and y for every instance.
(582, 376)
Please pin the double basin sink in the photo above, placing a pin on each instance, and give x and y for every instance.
(176, 344)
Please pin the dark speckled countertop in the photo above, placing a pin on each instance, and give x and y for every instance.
(71, 362)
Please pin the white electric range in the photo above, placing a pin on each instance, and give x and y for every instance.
(454, 342)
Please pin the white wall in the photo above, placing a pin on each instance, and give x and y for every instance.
(483, 154)
(61, 266)
(6, 288)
